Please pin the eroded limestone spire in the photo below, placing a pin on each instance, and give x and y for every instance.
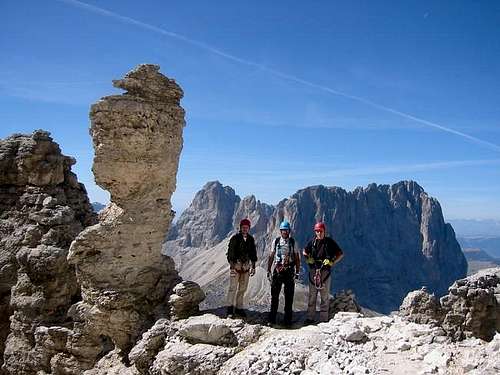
(124, 278)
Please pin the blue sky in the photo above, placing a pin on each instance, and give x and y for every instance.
(278, 95)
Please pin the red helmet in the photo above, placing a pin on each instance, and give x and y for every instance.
(245, 222)
(319, 226)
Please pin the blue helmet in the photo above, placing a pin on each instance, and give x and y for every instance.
(285, 225)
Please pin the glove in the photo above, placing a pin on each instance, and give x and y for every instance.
(328, 263)
(297, 276)
(310, 260)
(269, 276)
(252, 271)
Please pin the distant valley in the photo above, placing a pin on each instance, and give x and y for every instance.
(490, 245)
(480, 252)
(480, 242)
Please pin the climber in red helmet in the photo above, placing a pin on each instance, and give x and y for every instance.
(241, 255)
(321, 254)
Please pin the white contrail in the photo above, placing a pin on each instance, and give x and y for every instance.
(277, 73)
(328, 171)
(402, 168)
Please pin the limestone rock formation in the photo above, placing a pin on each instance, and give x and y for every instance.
(197, 345)
(199, 359)
(394, 237)
(472, 306)
(421, 307)
(42, 209)
(125, 281)
(207, 329)
(350, 343)
(152, 341)
(343, 301)
(353, 344)
(470, 309)
(185, 300)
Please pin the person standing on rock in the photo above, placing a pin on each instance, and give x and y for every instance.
(241, 255)
(321, 254)
(286, 262)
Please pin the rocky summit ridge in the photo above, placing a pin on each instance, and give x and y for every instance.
(349, 343)
(91, 295)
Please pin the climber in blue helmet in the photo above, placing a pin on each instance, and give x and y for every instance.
(286, 261)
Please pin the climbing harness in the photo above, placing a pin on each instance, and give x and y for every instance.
(284, 261)
(317, 279)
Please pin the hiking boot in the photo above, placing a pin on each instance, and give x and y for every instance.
(240, 312)
(230, 311)
(287, 324)
(308, 322)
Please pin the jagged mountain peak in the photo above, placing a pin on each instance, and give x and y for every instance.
(394, 237)
(209, 217)
(211, 195)
(212, 183)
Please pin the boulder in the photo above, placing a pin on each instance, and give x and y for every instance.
(144, 352)
(421, 307)
(471, 307)
(207, 329)
(185, 299)
(343, 301)
(183, 358)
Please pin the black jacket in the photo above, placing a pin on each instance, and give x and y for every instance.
(241, 250)
(323, 249)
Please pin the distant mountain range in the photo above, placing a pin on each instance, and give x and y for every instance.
(480, 242)
(476, 228)
(394, 238)
(489, 245)
(478, 259)
(97, 206)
